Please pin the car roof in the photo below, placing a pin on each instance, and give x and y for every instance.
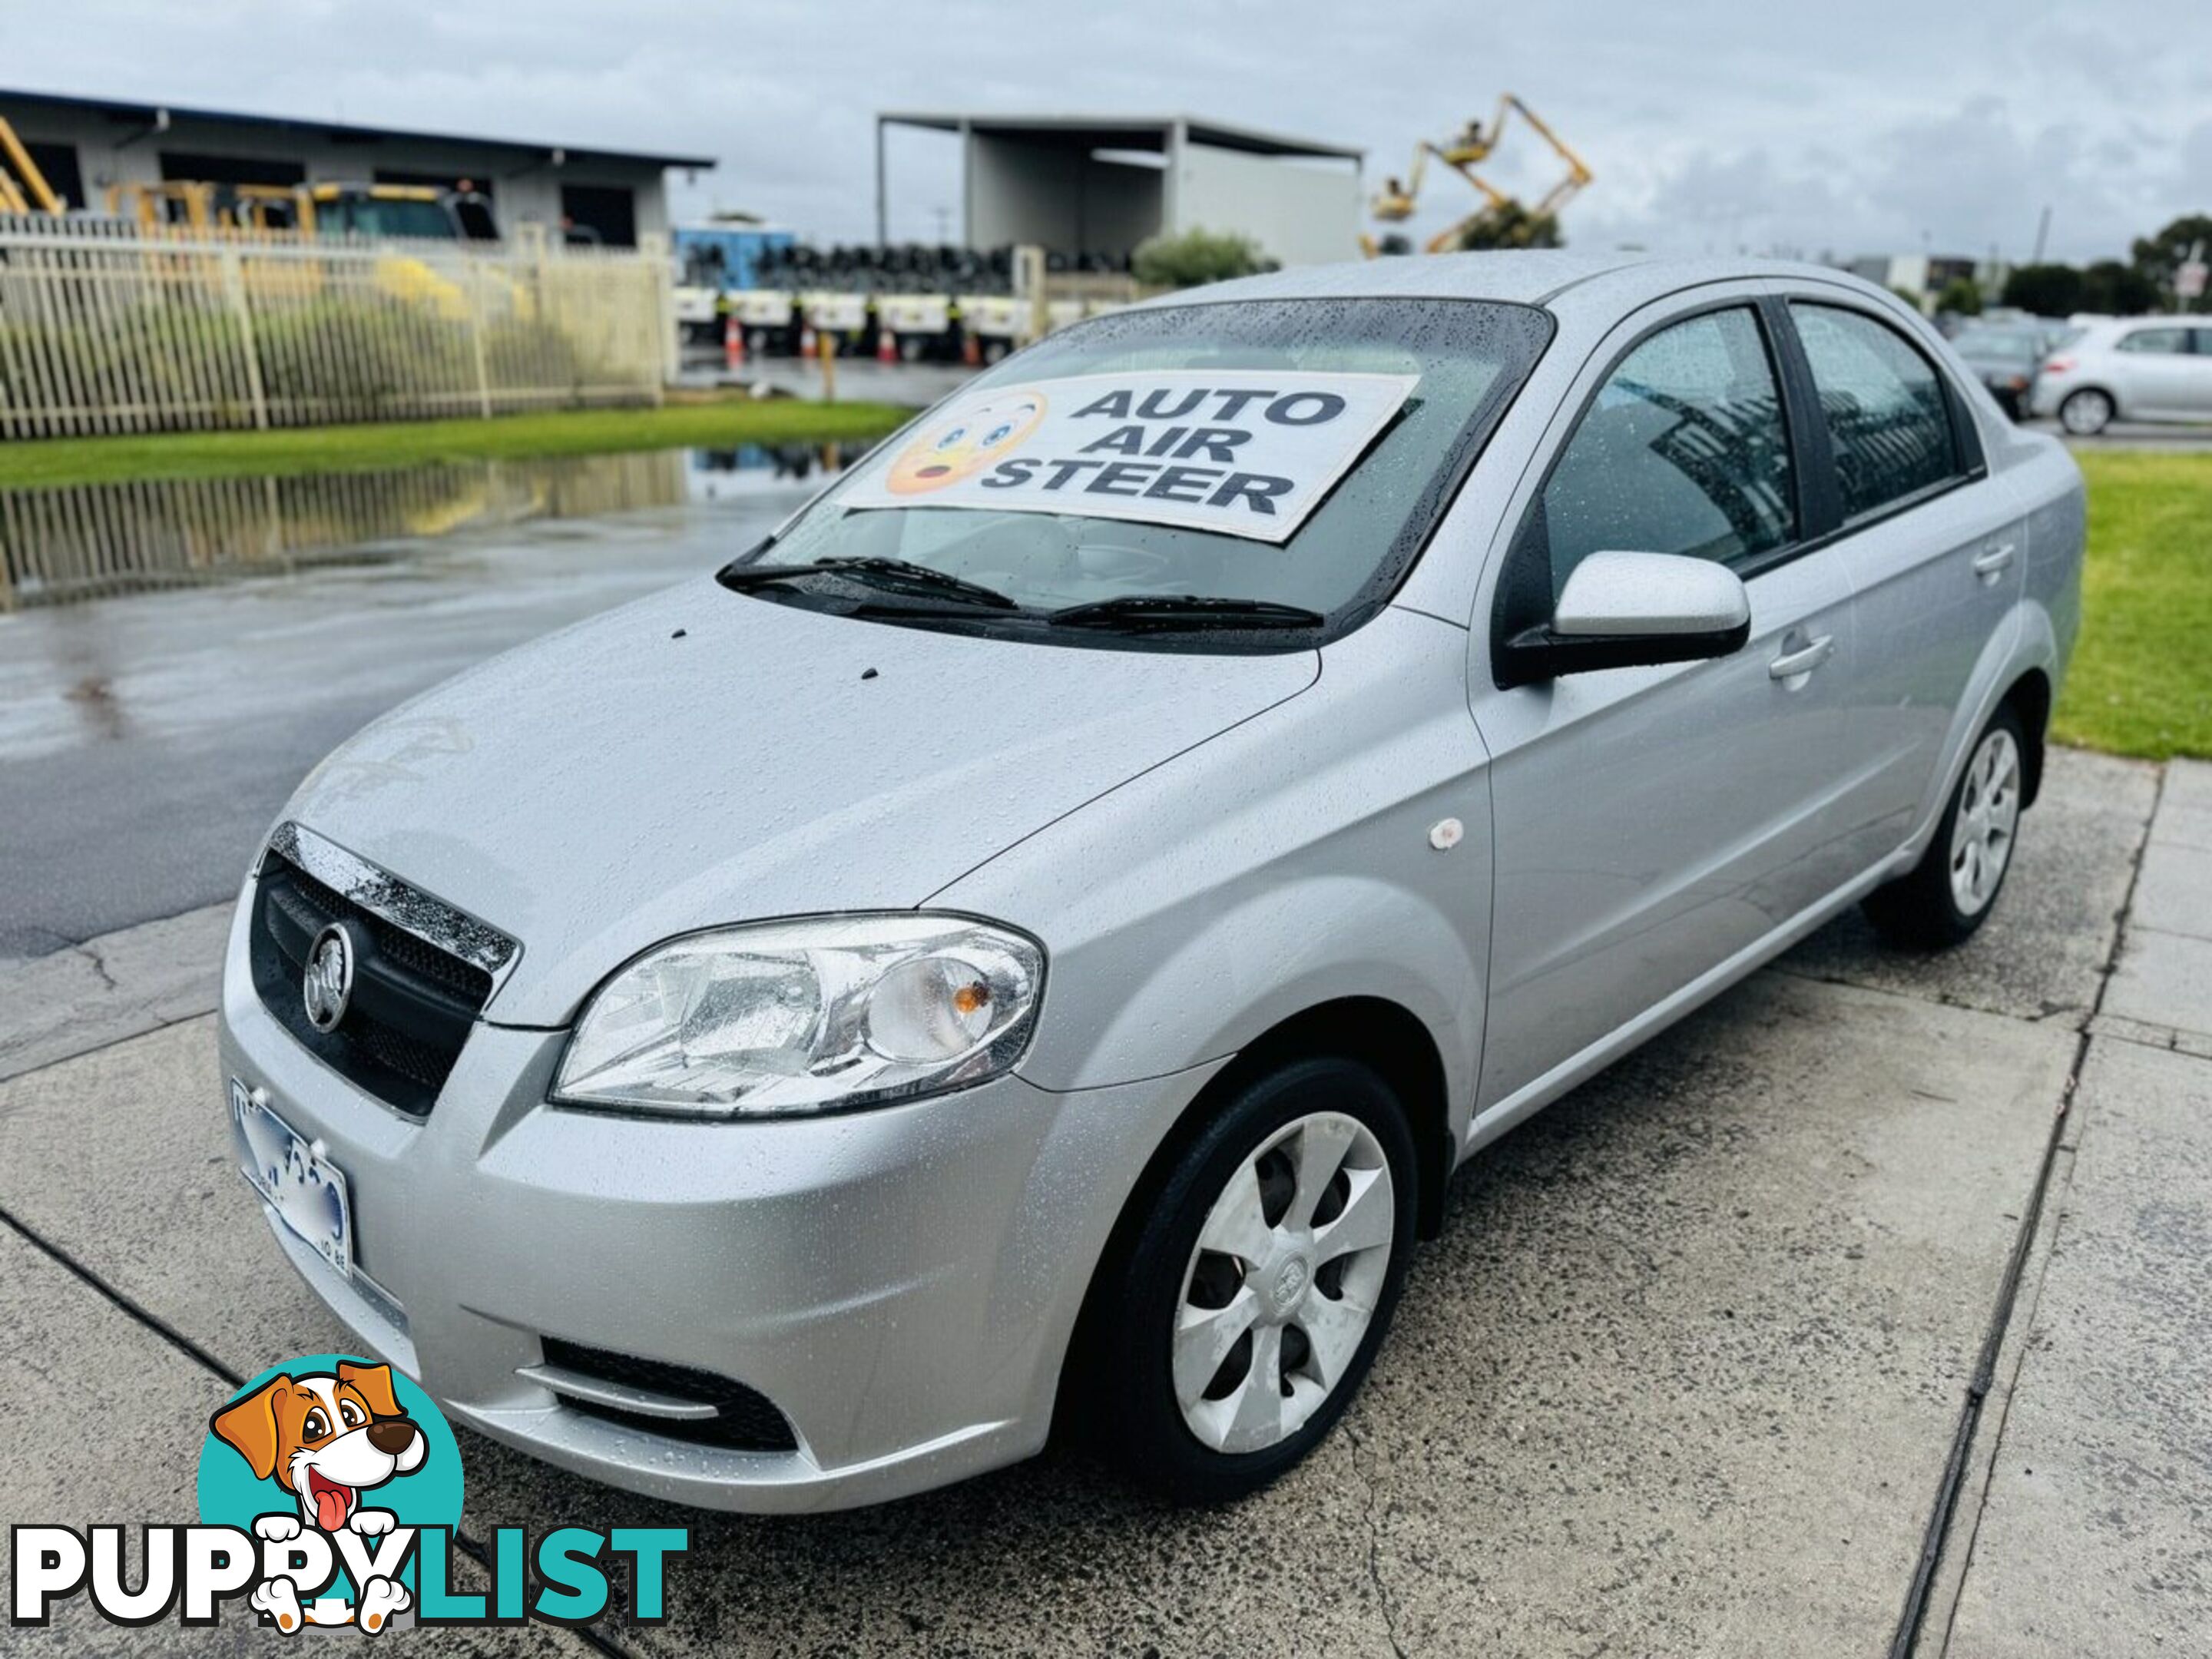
(1556, 280)
(2107, 328)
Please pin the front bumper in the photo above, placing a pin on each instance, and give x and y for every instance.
(900, 1283)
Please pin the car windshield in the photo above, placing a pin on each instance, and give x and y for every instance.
(374, 215)
(1154, 508)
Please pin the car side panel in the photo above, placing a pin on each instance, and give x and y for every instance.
(2162, 386)
(2041, 624)
(1284, 864)
(1652, 822)
(1925, 616)
(2197, 389)
(2056, 507)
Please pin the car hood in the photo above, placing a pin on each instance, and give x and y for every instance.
(703, 758)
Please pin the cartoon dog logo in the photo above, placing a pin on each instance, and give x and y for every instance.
(325, 1437)
(966, 442)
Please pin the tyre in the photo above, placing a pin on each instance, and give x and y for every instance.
(1257, 1284)
(1951, 892)
(2086, 412)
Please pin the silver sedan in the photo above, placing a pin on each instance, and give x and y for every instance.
(1032, 941)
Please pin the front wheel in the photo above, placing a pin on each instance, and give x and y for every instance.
(1256, 1291)
(1951, 891)
(2086, 413)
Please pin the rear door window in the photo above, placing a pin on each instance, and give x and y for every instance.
(1889, 421)
(2157, 341)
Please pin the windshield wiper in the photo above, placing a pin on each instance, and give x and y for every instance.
(1183, 610)
(892, 575)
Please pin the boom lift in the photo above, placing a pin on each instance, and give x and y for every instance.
(23, 188)
(1394, 202)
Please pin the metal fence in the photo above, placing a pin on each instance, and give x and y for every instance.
(107, 326)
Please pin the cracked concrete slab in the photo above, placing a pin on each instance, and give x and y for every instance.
(2044, 949)
(2095, 1535)
(111, 988)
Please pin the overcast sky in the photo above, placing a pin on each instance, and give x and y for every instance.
(1877, 126)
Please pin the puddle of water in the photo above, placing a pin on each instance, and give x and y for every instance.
(720, 474)
(94, 541)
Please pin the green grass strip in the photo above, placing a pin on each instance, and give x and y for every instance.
(2142, 679)
(716, 424)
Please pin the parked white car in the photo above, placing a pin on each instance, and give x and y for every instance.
(2134, 369)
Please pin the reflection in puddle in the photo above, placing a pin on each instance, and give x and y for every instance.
(719, 475)
(94, 540)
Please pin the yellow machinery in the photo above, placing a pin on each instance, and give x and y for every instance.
(300, 210)
(23, 188)
(298, 215)
(1393, 203)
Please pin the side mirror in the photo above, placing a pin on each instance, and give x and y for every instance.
(1629, 609)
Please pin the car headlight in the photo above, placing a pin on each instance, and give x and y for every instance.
(799, 1017)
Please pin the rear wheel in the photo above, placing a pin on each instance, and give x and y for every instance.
(2086, 412)
(1952, 889)
(1258, 1285)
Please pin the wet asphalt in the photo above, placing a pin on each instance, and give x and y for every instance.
(147, 742)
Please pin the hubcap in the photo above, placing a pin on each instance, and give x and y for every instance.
(1989, 813)
(2086, 412)
(1284, 1282)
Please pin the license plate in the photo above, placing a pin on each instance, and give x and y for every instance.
(308, 1192)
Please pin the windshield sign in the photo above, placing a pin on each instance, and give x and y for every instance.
(1210, 476)
(1242, 454)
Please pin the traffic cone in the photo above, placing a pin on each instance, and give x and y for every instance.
(886, 344)
(733, 344)
(971, 350)
(807, 342)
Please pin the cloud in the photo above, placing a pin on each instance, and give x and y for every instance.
(1888, 125)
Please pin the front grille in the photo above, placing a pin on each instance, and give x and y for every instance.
(413, 1002)
(743, 1419)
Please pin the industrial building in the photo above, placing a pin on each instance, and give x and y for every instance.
(83, 145)
(1921, 274)
(1078, 185)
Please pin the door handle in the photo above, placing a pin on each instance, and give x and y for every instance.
(1804, 660)
(1992, 560)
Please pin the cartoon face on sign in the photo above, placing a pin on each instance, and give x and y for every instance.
(963, 442)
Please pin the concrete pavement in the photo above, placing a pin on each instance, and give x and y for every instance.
(2093, 1529)
(1683, 1376)
(2136, 434)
